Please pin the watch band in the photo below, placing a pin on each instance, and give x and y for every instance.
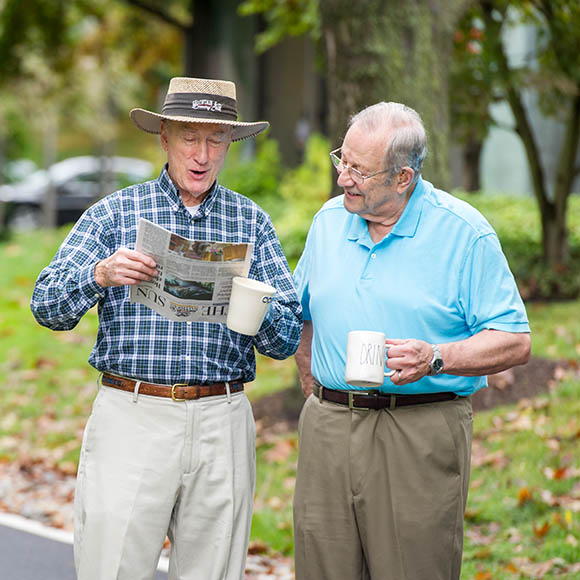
(436, 364)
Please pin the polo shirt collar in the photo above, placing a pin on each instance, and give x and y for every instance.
(406, 225)
(167, 185)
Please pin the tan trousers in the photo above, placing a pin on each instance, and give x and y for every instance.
(153, 467)
(382, 494)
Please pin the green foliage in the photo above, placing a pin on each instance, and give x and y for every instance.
(471, 89)
(303, 191)
(284, 18)
(31, 24)
(517, 223)
(291, 197)
(255, 177)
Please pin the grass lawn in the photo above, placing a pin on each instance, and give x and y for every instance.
(523, 516)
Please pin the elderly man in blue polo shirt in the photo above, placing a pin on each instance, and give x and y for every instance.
(383, 474)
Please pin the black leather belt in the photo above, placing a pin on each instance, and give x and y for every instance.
(366, 401)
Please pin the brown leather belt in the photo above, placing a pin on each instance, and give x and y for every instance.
(366, 401)
(177, 392)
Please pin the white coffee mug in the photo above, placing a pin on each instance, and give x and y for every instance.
(249, 303)
(366, 359)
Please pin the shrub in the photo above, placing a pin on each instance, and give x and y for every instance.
(292, 197)
(517, 223)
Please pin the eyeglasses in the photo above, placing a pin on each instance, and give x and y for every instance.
(353, 173)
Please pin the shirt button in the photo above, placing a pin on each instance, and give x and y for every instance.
(187, 357)
(373, 255)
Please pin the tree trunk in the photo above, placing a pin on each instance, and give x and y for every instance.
(552, 211)
(555, 233)
(397, 50)
(471, 152)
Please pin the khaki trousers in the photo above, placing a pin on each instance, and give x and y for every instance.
(152, 466)
(382, 494)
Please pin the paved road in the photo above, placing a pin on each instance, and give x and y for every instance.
(25, 555)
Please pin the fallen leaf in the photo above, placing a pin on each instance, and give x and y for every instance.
(257, 547)
(281, 451)
(524, 495)
(542, 531)
(572, 541)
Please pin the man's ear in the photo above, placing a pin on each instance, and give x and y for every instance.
(164, 134)
(404, 179)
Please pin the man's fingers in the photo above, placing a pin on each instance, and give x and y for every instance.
(125, 267)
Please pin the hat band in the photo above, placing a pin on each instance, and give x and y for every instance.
(200, 105)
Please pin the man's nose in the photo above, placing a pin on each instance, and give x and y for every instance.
(201, 152)
(344, 178)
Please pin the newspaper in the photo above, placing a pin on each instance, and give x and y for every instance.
(194, 282)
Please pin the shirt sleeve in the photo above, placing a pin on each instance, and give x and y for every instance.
(66, 289)
(279, 335)
(489, 294)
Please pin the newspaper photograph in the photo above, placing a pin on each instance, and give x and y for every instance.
(194, 282)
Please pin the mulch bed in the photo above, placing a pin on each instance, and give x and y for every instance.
(527, 381)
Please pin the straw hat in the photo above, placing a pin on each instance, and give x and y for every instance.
(199, 101)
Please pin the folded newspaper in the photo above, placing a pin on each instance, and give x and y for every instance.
(194, 282)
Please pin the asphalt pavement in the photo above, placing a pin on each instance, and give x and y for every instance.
(30, 551)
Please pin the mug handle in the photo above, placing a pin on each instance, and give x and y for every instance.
(390, 373)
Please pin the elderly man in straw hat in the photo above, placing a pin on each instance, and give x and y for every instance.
(153, 463)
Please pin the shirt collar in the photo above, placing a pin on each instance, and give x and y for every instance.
(166, 184)
(406, 225)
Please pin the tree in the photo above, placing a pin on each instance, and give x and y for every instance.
(376, 50)
(72, 61)
(392, 51)
(471, 94)
(554, 74)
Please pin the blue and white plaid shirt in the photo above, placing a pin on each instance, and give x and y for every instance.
(133, 340)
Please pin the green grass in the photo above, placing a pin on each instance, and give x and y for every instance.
(48, 387)
(555, 329)
(524, 502)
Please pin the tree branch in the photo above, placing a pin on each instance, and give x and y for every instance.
(159, 13)
(523, 126)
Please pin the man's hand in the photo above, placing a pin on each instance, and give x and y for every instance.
(303, 358)
(410, 358)
(125, 267)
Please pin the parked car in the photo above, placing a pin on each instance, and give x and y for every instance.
(78, 183)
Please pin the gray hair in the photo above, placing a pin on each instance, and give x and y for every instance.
(407, 145)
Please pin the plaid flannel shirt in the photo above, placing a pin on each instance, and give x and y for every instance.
(133, 340)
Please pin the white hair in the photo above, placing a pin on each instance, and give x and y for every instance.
(407, 143)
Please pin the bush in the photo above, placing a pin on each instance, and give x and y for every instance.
(292, 197)
(517, 223)
(256, 177)
(303, 191)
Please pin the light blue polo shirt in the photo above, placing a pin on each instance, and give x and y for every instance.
(440, 276)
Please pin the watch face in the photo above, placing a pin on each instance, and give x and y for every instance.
(437, 365)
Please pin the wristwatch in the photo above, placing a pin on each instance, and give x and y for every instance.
(436, 364)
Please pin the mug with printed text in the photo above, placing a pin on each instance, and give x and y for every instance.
(366, 359)
(249, 303)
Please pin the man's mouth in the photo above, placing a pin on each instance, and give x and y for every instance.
(351, 193)
(197, 173)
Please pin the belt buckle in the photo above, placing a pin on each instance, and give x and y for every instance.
(177, 399)
(351, 395)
